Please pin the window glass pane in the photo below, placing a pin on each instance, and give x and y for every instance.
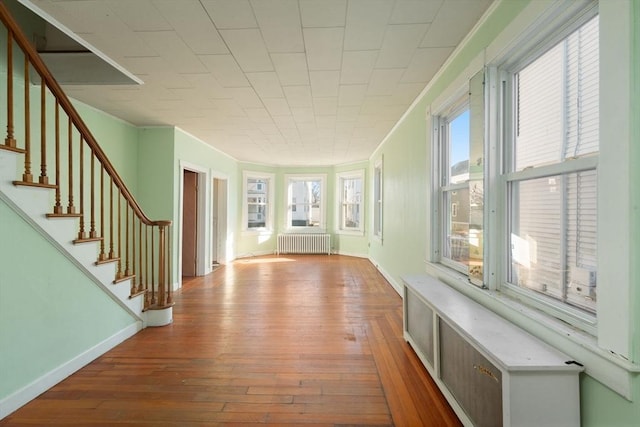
(377, 195)
(457, 225)
(458, 137)
(557, 102)
(553, 237)
(257, 196)
(257, 216)
(305, 207)
(351, 197)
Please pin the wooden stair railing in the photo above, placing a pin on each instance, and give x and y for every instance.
(107, 211)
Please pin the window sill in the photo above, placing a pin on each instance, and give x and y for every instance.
(359, 233)
(305, 230)
(257, 232)
(612, 370)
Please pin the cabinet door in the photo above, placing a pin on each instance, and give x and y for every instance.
(472, 379)
(420, 324)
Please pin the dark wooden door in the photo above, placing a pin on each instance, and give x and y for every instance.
(189, 223)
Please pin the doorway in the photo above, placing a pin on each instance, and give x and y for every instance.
(189, 223)
(218, 222)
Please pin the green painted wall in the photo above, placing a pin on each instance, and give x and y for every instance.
(251, 243)
(46, 319)
(406, 177)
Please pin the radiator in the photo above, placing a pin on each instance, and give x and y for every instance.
(315, 243)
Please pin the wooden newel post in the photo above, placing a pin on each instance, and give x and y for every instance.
(162, 256)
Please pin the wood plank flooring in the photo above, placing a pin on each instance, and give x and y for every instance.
(290, 340)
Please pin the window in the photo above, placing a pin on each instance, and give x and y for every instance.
(543, 178)
(551, 176)
(258, 196)
(377, 199)
(453, 129)
(350, 191)
(305, 201)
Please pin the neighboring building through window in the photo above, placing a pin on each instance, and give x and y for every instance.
(542, 184)
(258, 206)
(305, 201)
(350, 198)
(453, 134)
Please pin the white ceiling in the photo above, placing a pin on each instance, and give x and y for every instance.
(281, 82)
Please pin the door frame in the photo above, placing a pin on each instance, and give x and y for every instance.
(220, 234)
(202, 226)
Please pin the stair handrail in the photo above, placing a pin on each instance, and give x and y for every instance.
(67, 106)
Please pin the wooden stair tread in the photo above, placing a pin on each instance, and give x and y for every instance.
(87, 240)
(34, 184)
(123, 278)
(63, 215)
(107, 261)
(14, 149)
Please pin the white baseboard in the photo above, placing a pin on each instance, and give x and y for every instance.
(353, 254)
(252, 254)
(396, 286)
(31, 391)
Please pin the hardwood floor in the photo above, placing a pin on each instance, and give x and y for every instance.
(289, 340)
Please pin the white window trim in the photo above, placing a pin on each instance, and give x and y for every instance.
(454, 106)
(323, 202)
(607, 354)
(377, 204)
(358, 174)
(270, 178)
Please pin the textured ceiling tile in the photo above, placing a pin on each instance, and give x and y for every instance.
(230, 13)
(191, 22)
(291, 68)
(324, 83)
(324, 48)
(279, 22)
(399, 45)
(173, 50)
(298, 96)
(246, 97)
(266, 85)
(357, 66)
(425, 63)
(453, 22)
(325, 106)
(140, 15)
(225, 69)
(352, 95)
(415, 11)
(248, 48)
(366, 24)
(277, 106)
(384, 82)
(323, 13)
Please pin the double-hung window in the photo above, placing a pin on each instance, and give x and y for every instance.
(377, 199)
(551, 157)
(350, 197)
(258, 196)
(453, 134)
(306, 202)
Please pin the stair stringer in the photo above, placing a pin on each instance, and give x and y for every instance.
(30, 203)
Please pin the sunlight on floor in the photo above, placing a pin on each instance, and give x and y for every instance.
(264, 260)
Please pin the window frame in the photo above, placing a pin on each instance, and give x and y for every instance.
(498, 150)
(377, 204)
(441, 120)
(270, 199)
(504, 78)
(288, 180)
(341, 177)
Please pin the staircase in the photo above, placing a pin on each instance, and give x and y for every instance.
(78, 201)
